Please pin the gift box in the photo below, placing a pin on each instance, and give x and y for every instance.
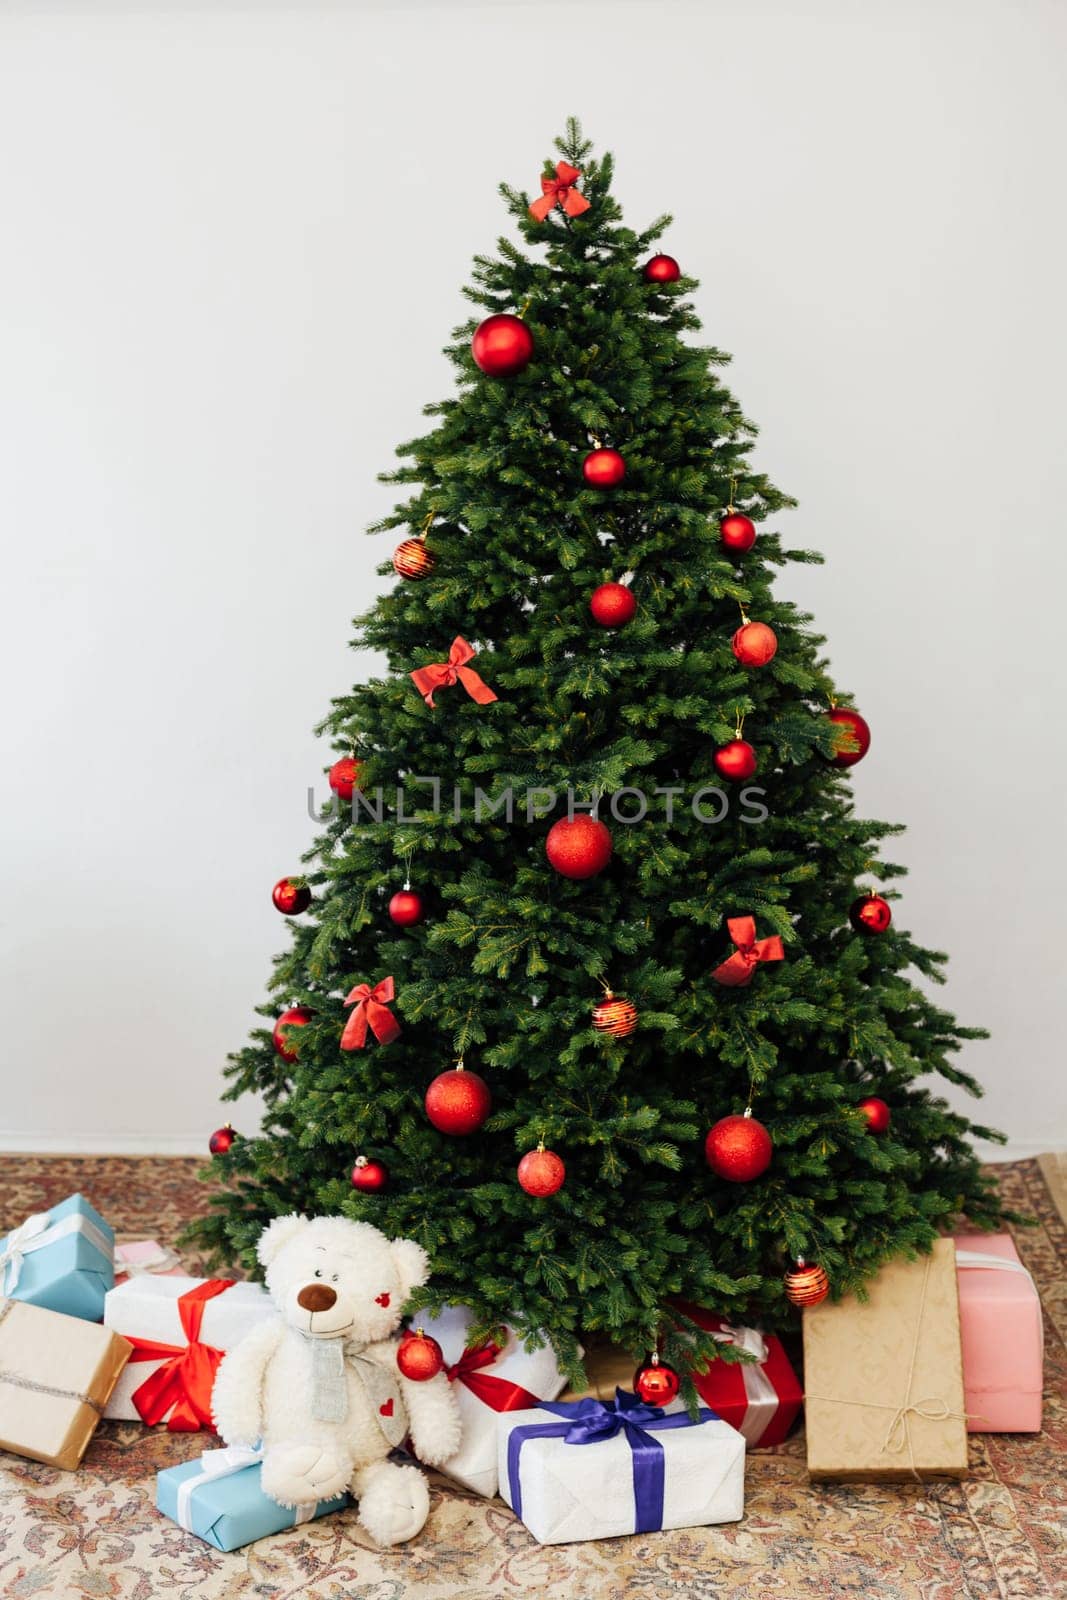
(218, 1497)
(61, 1260)
(488, 1378)
(590, 1469)
(180, 1329)
(56, 1373)
(145, 1255)
(1002, 1336)
(761, 1398)
(883, 1392)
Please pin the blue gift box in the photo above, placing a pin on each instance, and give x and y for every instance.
(218, 1497)
(62, 1260)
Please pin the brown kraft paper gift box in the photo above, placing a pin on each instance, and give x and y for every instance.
(884, 1380)
(56, 1374)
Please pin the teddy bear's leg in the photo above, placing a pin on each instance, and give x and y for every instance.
(394, 1501)
(300, 1474)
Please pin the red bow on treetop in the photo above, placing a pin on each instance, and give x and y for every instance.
(560, 191)
(443, 673)
(185, 1379)
(496, 1393)
(736, 971)
(370, 1012)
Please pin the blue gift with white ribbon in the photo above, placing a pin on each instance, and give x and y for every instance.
(62, 1260)
(590, 1469)
(218, 1497)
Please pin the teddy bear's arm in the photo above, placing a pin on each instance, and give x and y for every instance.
(436, 1430)
(237, 1398)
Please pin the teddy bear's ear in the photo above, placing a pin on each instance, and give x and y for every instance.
(412, 1264)
(277, 1234)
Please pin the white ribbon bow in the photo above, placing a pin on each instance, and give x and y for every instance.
(748, 1339)
(760, 1393)
(223, 1464)
(36, 1233)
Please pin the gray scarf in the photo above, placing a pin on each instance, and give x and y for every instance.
(329, 1393)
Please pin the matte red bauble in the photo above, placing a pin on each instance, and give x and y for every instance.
(737, 532)
(603, 469)
(295, 1017)
(738, 1149)
(502, 346)
(877, 1113)
(806, 1284)
(458, 1102)
(735, 760)
(419, 1357)
(612, 605)
(578, 847)
(369, 1176)
(290, 898)
(662, 269)
(412, 560)
(221, 1140)
(656, 1383)
(754, 644)
(855, 734)
(541, 1173)
(615, 1015)
(344, 777)
(870, 914)
(406, 908)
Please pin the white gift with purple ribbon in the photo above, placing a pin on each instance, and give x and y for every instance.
(594, 1469)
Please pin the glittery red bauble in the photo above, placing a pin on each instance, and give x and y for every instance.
(419, 1357)
(541, 1172)
(662, 269)
(221, 1140)
(738, 1149)
(502, 346)
(458, 1102)
(870, 914)
(754, 644)
(406, 908)
(344, 777)
(807, 1284)
(603, 469)
(615, 1015)
(612, 605)
(877, 1113)
(578, 847)
(369, 1175)
(295, 1017)
(735, 760)
(290, 898)
(854, 733)
(656, 1383)
(737, 532)
(412, 560)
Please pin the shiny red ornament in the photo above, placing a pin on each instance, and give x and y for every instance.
(458, 1102)
(807, 1284)
(661, 269)
(615, 1015)
(419, 1357)
(502, 346)
(406, 908)
(737, 532)
(541, 1172)
(295, 1017)
(854, 739)
(877, 1113)
(612, 605)
(736, 760)
(221, 1140)
(412, 560)
(656, 1383)
(603, 469)
(290, 898)
(344, 777)
(370, 1176)
(870, 914)
(754, 644)
(578, 847)
(738, 1149)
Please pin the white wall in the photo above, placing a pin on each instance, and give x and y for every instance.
(233, 240)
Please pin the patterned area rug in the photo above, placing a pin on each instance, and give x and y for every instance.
(1000, 1535)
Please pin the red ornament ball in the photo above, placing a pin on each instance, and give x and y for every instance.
(737, 532)
(412, 560)
(603, 469)
(458, 1102)
(344, 777)
(662, 269)
(806, 1284)
(612, 605)
(406, 908)
(295, 1017)
(221, 1140)
(656, 1383)
(541, 1172)
(738, 1149)
(502, 346)
(754, 644)
(419, 1357)
(290, 898)
(854, 739)
(578, 847)
(615, 1015)
(736, 760)
(870, 914)
(370, 1176)
(877, 1113)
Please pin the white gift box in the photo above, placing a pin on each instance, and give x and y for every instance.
(147, 1307)
(536, 1371)
(613, 1484)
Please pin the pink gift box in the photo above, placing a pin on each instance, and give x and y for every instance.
(1002, 1336)
(145, 1255)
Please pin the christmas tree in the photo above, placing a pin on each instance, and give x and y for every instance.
(692, 1018)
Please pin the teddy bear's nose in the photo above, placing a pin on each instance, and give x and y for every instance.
(316, 1297)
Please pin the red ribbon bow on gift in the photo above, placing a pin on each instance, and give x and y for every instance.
(187, 1376)
(497, 1393)
(560, 191)
(736, 971)
(441, 674)
(370, 1012)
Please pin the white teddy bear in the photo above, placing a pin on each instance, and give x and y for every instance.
(319, 1383)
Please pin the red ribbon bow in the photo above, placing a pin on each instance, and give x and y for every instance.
(497, 1393)
(370, 1012)
(736, 971)
(560, 191)
(186, 1378)
(441, 674)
